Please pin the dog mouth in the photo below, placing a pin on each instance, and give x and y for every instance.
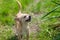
(29, 19)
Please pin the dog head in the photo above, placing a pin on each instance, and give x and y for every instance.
(24, 18)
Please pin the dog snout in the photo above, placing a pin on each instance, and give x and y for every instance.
(28, 18)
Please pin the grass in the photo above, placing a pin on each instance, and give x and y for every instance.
(49, 28)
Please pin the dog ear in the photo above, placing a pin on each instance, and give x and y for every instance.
(17, 19)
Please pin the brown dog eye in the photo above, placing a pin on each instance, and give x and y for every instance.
(24, 16)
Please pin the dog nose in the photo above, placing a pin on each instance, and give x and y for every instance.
(29, 17)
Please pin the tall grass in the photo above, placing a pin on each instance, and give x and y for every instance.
(49, 24)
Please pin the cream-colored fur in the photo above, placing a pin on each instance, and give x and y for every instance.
(21, 25)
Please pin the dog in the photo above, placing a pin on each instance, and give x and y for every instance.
(21, 24)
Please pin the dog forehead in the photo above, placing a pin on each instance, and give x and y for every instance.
(21, 15)
(25, 14)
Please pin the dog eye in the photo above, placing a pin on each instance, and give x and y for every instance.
(24, 16)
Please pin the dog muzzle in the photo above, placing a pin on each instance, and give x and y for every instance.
(28, 19)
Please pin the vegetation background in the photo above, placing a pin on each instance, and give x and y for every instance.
(45, 14)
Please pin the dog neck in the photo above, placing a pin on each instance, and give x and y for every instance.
(21, 24)
(24, 24)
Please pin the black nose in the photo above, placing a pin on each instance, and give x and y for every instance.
(29, 17)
